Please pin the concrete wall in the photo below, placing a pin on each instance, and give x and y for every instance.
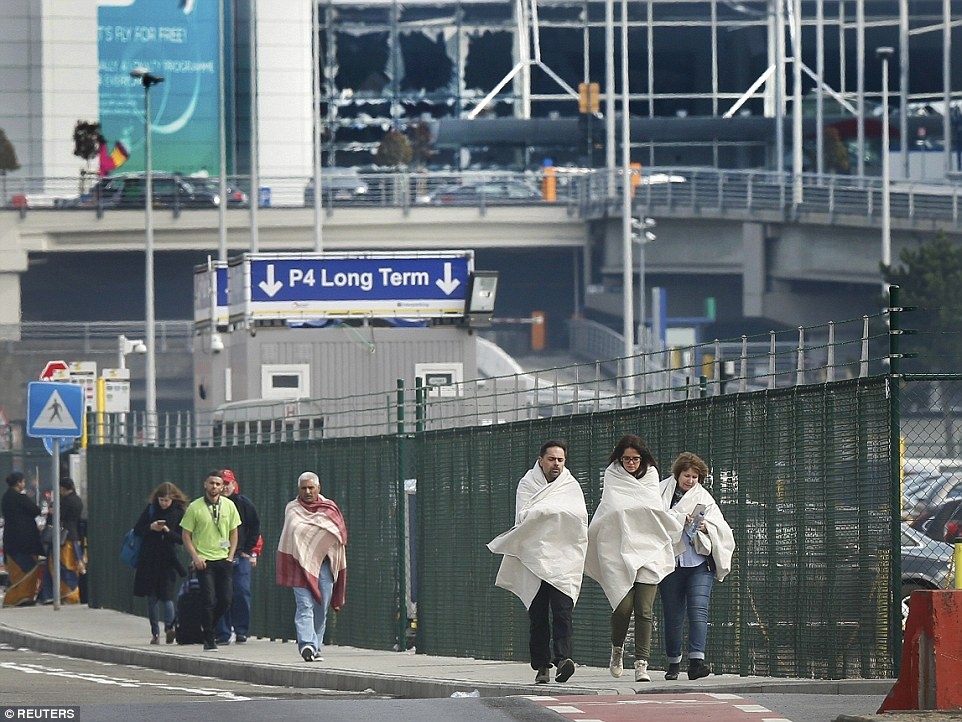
(48, 81)
(343, 360)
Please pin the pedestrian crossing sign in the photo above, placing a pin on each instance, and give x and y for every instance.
(54, 409)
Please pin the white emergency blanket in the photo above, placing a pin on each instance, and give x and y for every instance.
(719, 540)
(631, 536)
(549, 538)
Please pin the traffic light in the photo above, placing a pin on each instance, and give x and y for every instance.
(588, 97)
(590, 120)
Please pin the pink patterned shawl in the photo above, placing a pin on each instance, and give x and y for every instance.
(311, 533)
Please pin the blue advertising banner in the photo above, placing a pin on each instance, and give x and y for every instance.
(175, 39)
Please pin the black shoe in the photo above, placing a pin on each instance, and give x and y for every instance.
(566, 668)
(673, 669)
(308, 654)
(210, 646)
(170, 635)
(240, 639)
(698, 669)
(223, 640)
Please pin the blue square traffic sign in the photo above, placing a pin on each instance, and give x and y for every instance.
(55, 409)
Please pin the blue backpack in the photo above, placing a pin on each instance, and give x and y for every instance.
(130, 547)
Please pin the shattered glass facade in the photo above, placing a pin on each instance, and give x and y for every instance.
(388, 64)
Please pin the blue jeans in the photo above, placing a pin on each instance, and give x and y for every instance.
(169, 613)
(686, 590)
(237, 618)
(310, 616)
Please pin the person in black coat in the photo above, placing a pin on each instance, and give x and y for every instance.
(21, 542)
(159, 568)
(72, 563)
(236, 621)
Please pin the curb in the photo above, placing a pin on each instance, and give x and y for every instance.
(303, 677)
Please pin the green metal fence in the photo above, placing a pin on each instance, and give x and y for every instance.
(801, 474)
(360, 474)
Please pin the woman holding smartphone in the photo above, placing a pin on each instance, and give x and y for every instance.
(703, 553)
(159, 567)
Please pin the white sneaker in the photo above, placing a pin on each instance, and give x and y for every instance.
(615, 666)
(641, 671)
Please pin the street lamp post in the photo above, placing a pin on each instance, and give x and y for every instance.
(148, 80)
(884, 53)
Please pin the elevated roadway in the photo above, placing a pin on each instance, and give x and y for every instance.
(742, 237)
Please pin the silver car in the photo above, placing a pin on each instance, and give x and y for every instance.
(926, 564)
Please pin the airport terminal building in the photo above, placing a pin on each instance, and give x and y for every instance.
(709, 82)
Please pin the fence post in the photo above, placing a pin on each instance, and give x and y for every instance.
(402, 615)
(895, 462)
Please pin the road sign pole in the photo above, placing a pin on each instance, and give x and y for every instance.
(56, 524)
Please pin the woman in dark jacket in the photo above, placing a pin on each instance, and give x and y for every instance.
(21, 542)
(159, 567)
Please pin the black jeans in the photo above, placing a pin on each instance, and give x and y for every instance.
(561, 606)
(217, 587)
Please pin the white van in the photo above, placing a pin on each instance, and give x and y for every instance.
(265, 421)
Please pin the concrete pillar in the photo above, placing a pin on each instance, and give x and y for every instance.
(753, 269)
(13, 262)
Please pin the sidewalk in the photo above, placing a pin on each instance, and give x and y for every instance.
(109, 636)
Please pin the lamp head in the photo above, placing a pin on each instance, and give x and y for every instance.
(884, 53)
(145, 76)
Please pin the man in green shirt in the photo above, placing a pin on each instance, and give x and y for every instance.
(209, 530)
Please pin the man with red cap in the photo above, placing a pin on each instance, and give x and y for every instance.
(236, 620)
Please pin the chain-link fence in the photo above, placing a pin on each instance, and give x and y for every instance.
(931, 471)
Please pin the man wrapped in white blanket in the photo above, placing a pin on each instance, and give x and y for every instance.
(544, 557)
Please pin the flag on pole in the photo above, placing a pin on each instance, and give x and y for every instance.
(114, 159)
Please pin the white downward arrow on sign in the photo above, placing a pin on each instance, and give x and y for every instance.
(270, 286)
(447, 284)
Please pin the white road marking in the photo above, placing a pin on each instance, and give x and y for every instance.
(120, 681)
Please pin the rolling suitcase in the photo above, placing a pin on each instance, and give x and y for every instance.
(190, 610)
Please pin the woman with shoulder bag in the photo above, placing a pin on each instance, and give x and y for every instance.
(159, 567)
(703, 553)
(67, 535)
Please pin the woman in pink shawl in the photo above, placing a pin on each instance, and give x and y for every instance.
(312, 560)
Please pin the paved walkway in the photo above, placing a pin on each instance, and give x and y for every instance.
(109, 636)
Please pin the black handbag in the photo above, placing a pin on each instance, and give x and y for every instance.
(47, 539)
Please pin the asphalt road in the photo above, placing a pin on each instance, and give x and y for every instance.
(80, 689)
(90, 691)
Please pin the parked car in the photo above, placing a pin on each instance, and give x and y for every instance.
(922, 492)
(128, 191)
(943, 521)
(493, 192)
(926, 564)
(338, 184)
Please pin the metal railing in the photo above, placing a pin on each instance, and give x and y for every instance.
(834, 351)
(404, 189)
(711, 192)
(592, 193)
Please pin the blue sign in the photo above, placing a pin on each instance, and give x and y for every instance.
(362, 279)
(340, 285)
(55, 410)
